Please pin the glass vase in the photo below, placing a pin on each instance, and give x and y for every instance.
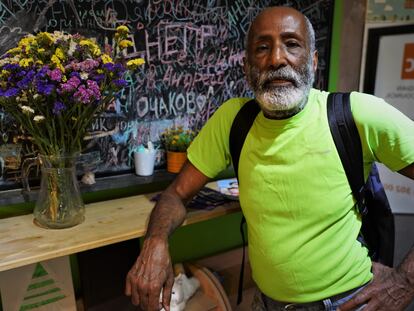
(59, 204)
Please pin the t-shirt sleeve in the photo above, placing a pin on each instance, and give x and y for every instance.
(387, 135)
(209, 152)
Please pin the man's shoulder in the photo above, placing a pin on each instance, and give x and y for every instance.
(230, 107)
(235, 102)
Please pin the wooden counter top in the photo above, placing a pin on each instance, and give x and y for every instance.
(107, 222)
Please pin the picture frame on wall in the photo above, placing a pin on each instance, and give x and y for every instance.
(388, 73)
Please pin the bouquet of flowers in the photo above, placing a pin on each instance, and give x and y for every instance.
(177, 139)
(55, 84)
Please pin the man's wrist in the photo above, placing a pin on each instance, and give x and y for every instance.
(406, 269)
(157, 237)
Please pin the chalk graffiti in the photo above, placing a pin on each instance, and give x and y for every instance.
(194, 54)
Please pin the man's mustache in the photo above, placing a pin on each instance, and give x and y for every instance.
(285, 73)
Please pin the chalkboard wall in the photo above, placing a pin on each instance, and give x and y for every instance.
(193, 52)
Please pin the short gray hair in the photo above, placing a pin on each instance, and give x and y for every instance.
(309, 28)
(311, 34)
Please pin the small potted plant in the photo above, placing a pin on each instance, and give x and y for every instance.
(176, 140)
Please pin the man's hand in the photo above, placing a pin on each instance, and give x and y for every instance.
(389, 290)
(151, 273)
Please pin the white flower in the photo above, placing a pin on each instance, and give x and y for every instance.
(84, 75)
(72, 47)
(35, 96)
(38, 118)
(27, 109)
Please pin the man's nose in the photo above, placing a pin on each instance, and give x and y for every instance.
(277, 58)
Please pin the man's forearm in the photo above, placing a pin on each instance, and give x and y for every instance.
(168, 214)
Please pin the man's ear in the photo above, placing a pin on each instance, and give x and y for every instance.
(315, 61)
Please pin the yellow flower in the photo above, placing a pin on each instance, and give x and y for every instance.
(41, 50)
(134, 63)
(26, 41)
(4, 73)
(55, 60)
(122, 29)
(44, 38)
(125, 43)
(26, 62)
(106, 58)
(85, 42)
(59, 53)
(14, 50)
(93, 47)
(64, 79)
(96, 51)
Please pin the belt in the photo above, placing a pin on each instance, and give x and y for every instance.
(269, 302)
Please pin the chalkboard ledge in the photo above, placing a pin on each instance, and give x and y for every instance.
(106, 188)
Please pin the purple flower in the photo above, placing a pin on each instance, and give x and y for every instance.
(55, 74)
(42, 72)
(74, 74)
(10, 92)
(97, 77)
(24, 83)
(11, 67)
(86, 95)
(94, 90)
(82, 95)
(70, 85)
(27, 79)
(44, 87)
(58, 107)
(120, 83)
(88, 65)
(109, 66)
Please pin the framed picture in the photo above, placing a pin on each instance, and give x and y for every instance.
(389, 74)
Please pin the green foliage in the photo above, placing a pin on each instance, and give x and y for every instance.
(177, 139)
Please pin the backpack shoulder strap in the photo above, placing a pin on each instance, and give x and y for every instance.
(347, 142)
(239, 129)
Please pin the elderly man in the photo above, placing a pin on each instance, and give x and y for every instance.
(302, 225)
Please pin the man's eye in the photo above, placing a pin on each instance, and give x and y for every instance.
(262, 48)
(292, 44)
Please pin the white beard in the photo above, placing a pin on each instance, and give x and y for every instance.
(283, 101)
(286, 99)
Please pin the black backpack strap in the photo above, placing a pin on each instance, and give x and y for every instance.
(348, 143)
(241, 275)
(239, 129)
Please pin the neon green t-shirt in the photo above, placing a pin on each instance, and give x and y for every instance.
(298, 205)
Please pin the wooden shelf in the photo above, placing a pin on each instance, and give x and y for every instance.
(107, 222)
